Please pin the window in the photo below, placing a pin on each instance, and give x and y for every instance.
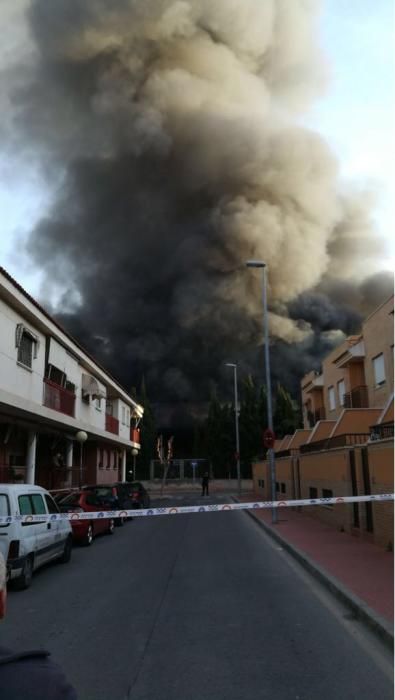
(379, 370)
(25, 350)
(105, 460)
(282, 488)
(327, 493)
(92, 501)
(56, 375)
(27, 344)
(313, 493)
(127, 417)
(4, 506)
(123, 415)
(98, 403)
(331, 398)
(261, 483)
(51, 505)
(341, 390)
(31, 505)
(277, 486)
(25, 505)
(38, 504)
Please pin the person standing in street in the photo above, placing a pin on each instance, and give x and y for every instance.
(205, 481)
(29, 675)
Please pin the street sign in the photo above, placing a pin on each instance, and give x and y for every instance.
(268, 439)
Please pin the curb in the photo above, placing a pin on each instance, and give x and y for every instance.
(381, 627)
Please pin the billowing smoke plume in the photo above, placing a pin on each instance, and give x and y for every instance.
(174, 129)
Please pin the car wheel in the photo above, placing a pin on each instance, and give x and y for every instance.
(111, 527)
(24, 580)
(66, 556)
(120, 522)
(87, 541)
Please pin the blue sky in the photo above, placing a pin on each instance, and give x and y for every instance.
(356, 117)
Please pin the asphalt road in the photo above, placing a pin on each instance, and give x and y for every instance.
(195, 607)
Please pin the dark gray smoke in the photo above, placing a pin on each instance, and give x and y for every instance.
(173, 128)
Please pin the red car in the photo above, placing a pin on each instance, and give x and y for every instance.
(85, 530)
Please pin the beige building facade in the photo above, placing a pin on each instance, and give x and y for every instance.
(346, 447)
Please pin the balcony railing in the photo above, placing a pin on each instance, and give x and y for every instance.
(58, 398)
(319, 414)
(135, 435)
(314, 416)
(346, 440)
(112, 424)
(357, 398)
(382, 431)
(283, 453)
(314, 446)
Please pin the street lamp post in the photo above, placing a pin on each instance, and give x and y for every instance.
(230, 364)
(272, 463)
(81, 437)
(134, 453)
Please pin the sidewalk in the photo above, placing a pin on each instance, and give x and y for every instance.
(359, 573)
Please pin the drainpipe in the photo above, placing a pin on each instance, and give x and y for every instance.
(123, 473)
(69, 462)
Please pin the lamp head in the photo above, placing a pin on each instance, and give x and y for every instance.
(255, 263)
(230, 364)
(81, 436)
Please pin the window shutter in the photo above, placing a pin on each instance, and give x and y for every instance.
(18, 334)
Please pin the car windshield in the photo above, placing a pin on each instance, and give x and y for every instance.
(71, 499)
(103, 491)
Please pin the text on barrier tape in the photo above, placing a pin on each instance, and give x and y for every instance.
(53, 517)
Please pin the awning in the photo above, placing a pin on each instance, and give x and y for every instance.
(91, 386)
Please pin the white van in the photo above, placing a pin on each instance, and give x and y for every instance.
(26, 546)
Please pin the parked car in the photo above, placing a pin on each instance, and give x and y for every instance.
(140, 496)
(86, 501)
(61, 494)
(118, 495)
(27, 546)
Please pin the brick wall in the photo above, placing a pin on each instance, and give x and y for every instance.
(381, 467)
(327, 471)
(333, 471)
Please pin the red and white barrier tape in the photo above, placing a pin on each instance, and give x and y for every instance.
(210, 508)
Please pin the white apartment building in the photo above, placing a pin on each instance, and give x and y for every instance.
(63, 419)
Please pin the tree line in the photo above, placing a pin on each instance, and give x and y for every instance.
(214, 438)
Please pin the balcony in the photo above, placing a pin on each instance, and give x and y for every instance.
(283, 453)
(58, 398)
(319, 414)
(135, 435)
(382, 431)
(357, 398)
(112, 424)
(346, 440)
(314, 446)
(314, 416)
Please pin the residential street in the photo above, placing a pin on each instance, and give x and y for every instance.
(195, 607)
